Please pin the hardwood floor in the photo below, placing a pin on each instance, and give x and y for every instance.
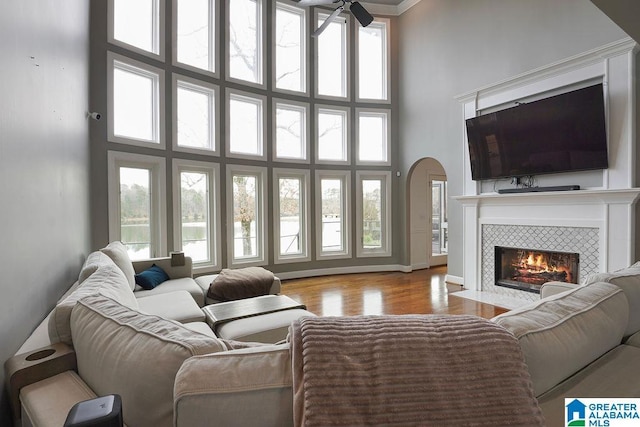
(419, 292)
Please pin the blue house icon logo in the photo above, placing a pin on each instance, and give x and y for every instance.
(576, 413)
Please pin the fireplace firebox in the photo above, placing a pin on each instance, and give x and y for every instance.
(529, 269)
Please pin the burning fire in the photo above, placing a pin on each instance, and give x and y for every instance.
(536, 263)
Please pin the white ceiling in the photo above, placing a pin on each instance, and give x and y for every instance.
(388, 7)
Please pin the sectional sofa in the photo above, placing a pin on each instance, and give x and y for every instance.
(580, 342)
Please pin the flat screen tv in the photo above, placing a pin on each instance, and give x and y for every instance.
(561, 133)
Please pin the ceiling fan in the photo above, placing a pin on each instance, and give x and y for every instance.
(355, 8)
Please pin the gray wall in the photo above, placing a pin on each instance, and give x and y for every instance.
(450, 47)
(44, 218)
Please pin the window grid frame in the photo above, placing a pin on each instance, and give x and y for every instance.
(213, 198)
(306, 128)
(304, 55)
(262, 249)
(387, 68)
(214, 40)
(261, 17)
(386, 214)
(305, 223)
(157, 190)
(346, 134)
(259, 100)
(158, 28)
(387, 135)
(345, 177)
(346, 54)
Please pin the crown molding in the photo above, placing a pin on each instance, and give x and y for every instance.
(384, 9)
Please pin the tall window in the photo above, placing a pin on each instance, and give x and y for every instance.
(373, 212)
(373, 137)
(136, 188)
(291, 212)
(196, 205)
(245, 40)
(291, 131)
(332, 127)
(245, 126)
(194, 34)
(332, 207)
(246, 214)
(290, 48)
(439, 221)
(135, 100)
(195, 105)
(332, 58)
(137, 25)
(373, 62)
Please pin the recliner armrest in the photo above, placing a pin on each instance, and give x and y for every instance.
(553, 288)
(174, 271)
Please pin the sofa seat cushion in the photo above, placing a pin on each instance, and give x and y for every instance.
(46, 403)
(609, 376)
(628, 279)
(178, 306)
(633, 340)
(119, 255)
(562, 334)
(106, 280)
(252, 387)
(201, 328)
(173, 285)
(264, 328)
(123, 351)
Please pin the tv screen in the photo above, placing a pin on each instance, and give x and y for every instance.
(561, 133)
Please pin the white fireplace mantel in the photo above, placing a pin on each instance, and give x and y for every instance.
(608, 206)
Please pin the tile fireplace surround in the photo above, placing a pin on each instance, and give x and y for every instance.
(599, 221)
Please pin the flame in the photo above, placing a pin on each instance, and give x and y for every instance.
(537, 263)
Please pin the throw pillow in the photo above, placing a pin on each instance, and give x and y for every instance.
(151, 277)
(117, 251)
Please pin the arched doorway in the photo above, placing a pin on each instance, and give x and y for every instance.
(428, 226)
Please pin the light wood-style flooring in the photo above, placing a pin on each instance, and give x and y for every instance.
(418, 292)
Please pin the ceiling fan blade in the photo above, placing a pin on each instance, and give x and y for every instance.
(315, 2)
(361, 14)
(327, 21)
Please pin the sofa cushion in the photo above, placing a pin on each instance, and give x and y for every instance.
(628, 279)
(609, 376)
(173, 285)
(264, 328)
(119, 255)
(92, 263)
(252, 388)
(562, 334)
(106, 280)
(151, 277)
(123, 351)
(178, 306)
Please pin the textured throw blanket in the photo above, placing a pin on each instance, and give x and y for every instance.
(240, 283)
(412, 370)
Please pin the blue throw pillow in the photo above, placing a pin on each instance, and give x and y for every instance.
(151, 277)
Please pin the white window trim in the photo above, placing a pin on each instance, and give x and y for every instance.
(158, 101)
(387, 100)
(158, 191)
(196, 85)
(213, 172)
(305, 227)
(261, 234)
(346, 73)
(345, 176)
(385, 249)
(214, 40)
(306, 129)
(158, 44)
(292, 6)
(262, 45)
(250, 97)
(374, 112)
(346, 137)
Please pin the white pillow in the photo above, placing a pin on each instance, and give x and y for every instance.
(118, 253)
(136, 355)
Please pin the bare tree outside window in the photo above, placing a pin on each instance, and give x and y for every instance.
(245, 215)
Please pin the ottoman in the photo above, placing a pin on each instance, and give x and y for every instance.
(265, 328)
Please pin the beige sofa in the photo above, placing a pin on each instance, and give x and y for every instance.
(580, 343)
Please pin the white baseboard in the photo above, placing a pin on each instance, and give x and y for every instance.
(456, 280)
(344, 270)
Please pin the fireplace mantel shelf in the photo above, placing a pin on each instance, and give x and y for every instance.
(575, 197)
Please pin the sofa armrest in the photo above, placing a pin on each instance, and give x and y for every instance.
(553, 288)
(174, 271)
(252, 387)
(27, 368)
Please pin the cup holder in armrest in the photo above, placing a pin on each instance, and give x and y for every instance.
(28, 368)
(38, 355)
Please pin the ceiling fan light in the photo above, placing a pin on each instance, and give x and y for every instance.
(361, 14)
